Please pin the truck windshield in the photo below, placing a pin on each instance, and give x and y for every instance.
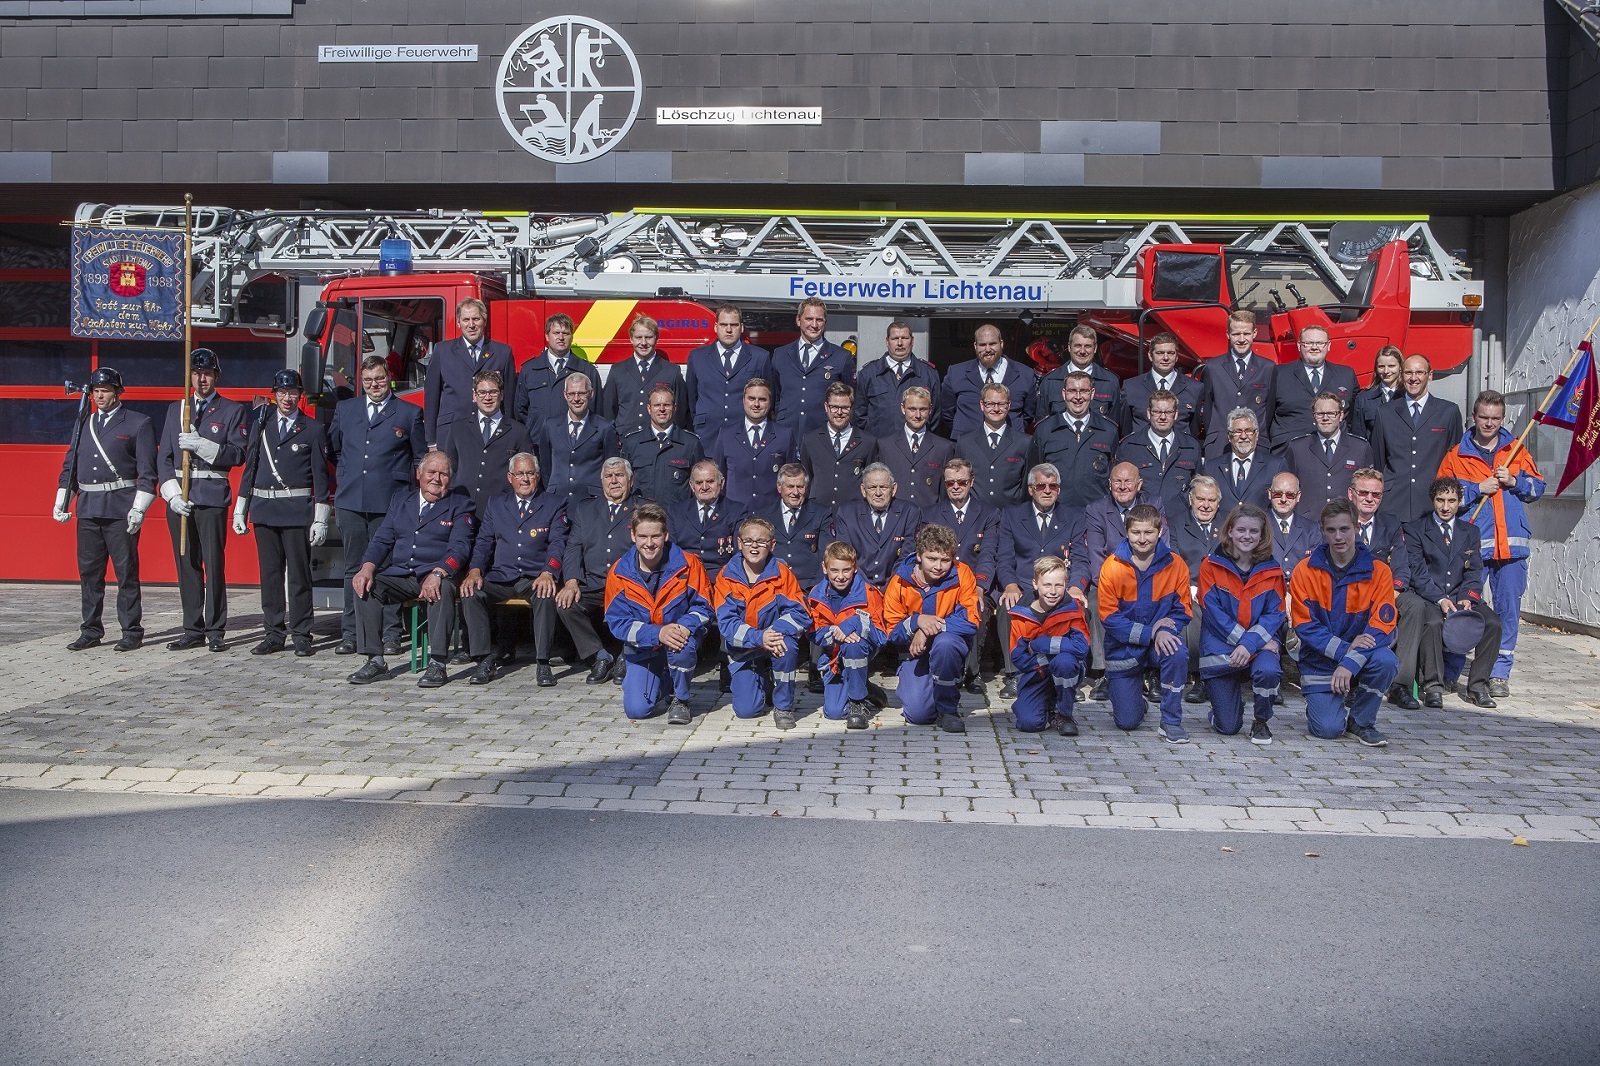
(402, 331)
(1279, 281)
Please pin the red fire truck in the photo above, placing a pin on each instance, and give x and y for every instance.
(387, 283)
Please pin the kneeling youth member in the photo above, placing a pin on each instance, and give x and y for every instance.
(1049, 646)
(1242, 610)
(1144, 605)
(847, 625)
(930, 608)
(761, 615)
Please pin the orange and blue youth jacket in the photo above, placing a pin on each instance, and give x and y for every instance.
(1035, 640)
(1133, 601)
(1503, 521)
(635, 614)
(1238, 609)
(858, 609)
(772, 601)
(954, 599)
(1331, 608)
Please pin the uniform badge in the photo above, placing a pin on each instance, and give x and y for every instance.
(216, 427)
(398, 432)
(826, 375)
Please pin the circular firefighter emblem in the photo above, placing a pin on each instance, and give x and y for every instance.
(568, 89)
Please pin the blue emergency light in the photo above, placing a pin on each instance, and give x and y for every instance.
(394, 256)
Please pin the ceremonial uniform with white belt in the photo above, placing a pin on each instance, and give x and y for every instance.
(112, 470)
(285, 486)
(216, 444)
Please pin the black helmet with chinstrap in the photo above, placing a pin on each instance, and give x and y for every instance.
(287, 379)
(205, 359)
(105, 376)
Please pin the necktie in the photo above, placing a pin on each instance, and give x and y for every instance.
(1166, 447)
(916, 443)
(615, 507)
(477, 352)
(1366, 533)
(283, 427)
(488, 431)
(661, 438)
(1241, 364)
(994, 438)
(522, 505)
(373, 410)
(1162, 384)
(807, 354)
(1327, 449)
(576, 428)
(727, 363)
(427, 508)
(1077, 427)
(838, 444)
(1283, 524)
(1206, 529)
(1444, 529)
(961, 516)
(1044, 521)
(755, 436)
(900, 372)
(1416, 412)
(1238, 473)
(877, 521)
(988, 376)
(644, 367)
(1314, 375)
(705, 513)
(788, 519)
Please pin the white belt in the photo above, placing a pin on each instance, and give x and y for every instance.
(107, 486)
(215, 474)
(280, 494)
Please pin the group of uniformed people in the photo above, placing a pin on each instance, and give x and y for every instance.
(525, 487)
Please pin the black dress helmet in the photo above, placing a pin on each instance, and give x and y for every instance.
(205, 359)
(287, 379)
(105, 376)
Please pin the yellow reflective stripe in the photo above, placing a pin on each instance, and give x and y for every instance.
(600, 325)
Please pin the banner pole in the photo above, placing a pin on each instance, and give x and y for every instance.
(1522, 438)
(188, 349)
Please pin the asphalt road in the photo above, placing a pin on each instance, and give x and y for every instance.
(169, 930)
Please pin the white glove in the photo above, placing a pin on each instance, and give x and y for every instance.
(173, 494)
(61, 514)
(201, 446)
(238, 516)
(319, 525)
(141, 504)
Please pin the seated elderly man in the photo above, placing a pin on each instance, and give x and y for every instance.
(517, 556)
(418, 553)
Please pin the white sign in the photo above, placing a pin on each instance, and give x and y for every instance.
(397, 53)
(739, 116)
(569, 89)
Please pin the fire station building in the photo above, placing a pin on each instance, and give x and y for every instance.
(1482, 116)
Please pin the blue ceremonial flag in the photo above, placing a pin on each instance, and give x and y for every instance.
(1566, 407)
(127, 284)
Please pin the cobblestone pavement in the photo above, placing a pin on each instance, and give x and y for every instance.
(240, 725)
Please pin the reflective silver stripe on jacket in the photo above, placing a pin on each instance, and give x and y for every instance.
(107, 486)
(216, 475)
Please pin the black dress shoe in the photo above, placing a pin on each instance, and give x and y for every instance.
(952, 723)
(1434, 700)
(619, 670)
(369, 672)
(84, 642)
(434, 676)
(216, 644)
(461, 658)
(600, 671)
(391, 647)
(1064, 725)
(1480, 697)
(678, 712)
(187, 641)
(304, 651)
(975, 685)
(486, 671)
(129, 644)
(267, 647)
(1196, 693)
(345, 647)
(1101, 690)
(545, 678)
(1008, 691)
(1401, 697)
(858, 716)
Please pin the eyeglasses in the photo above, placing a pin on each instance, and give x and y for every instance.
(1244, 433)
(955, 484)
(1282, 494)
(1313, 344)
(1368, 495)
(524, 475)
(748, 543)
(1047, 486)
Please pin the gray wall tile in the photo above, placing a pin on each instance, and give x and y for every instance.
(1101, 138)
(1322, 172)
(25, 167)
(307, 168)
(994, 168)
